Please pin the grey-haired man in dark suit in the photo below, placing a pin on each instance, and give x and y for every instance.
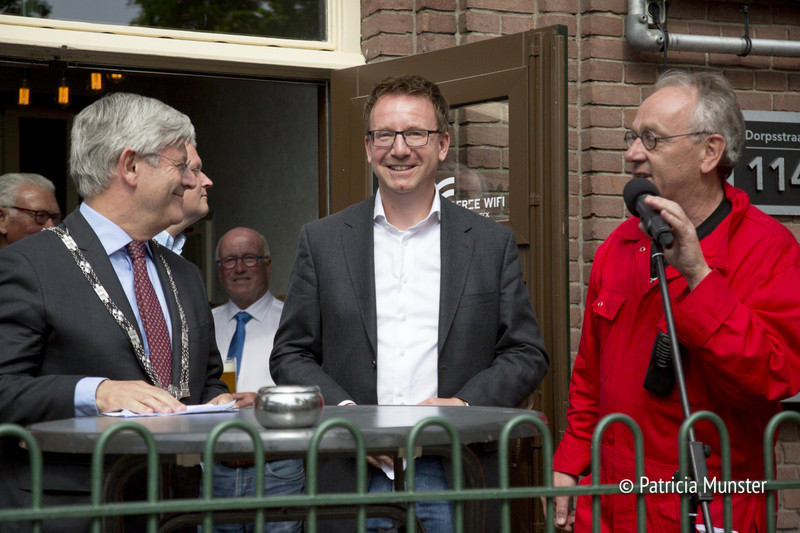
(65, 354)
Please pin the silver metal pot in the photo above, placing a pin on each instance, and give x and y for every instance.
(288, 406)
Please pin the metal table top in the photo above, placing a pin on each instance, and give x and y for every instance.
(383, 428)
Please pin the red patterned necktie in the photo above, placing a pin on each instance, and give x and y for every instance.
(155, 327)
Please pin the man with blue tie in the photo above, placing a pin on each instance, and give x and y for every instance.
(245, 327)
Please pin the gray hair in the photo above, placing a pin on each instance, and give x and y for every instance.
(11, 183)
(102, 131)
(717, 111)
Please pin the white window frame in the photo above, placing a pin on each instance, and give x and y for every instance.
(41, 38)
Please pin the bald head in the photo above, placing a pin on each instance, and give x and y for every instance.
(244, 265)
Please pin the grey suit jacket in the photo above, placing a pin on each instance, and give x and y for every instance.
(490, 348)
(54, 330)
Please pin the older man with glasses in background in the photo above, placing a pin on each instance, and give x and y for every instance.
(27, 204)
(245, 327)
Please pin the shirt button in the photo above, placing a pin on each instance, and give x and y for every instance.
(405, 279)
(403, 318)
(642, 249)
(403, 353)
(400, 394)
(405, 244)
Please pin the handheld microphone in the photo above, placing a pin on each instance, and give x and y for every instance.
(634, 193)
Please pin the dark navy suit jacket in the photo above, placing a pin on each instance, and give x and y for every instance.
(54, 330)
(490, 347)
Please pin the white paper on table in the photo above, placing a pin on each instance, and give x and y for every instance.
(190, 410)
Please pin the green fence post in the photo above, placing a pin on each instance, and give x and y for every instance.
(769, 466)
(504, 463)
(684, 473)
(35, 460)
(455, 463)
(638, 448)
(208, 470)
(98, 471)
(312, 473)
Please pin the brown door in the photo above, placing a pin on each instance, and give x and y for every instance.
(507, 161)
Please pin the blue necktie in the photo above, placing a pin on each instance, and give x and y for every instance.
(237, 342)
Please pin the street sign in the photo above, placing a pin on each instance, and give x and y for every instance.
(769, 170)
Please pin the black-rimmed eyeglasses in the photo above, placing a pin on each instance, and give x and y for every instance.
(413, 138)
(248, 260)
(40, 217)
(180, 165)
(649, 139)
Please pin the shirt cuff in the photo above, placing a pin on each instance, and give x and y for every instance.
(85, 396)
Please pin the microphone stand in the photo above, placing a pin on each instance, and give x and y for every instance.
(697, 456)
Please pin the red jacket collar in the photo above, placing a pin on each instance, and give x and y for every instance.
(715, 246)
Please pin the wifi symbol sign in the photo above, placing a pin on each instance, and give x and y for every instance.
(447, 187)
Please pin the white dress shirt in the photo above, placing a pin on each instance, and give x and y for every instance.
(407, 285)
(259, 334)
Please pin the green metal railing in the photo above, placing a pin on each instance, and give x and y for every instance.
(312, 504)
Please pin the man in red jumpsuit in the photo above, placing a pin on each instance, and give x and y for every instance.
(734, 282)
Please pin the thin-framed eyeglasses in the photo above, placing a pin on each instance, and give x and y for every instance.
(649, 139)
(413, 138)
(180, 165)
(248, 260)
(40, 217)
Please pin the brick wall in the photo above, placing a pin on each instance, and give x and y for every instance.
(607, 80)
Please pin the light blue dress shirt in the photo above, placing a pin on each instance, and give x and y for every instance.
(113, 238)
(173, 243)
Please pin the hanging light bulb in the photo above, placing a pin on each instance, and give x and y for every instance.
(115, 77)
(96, 81)
(24, 97)
(63, 93)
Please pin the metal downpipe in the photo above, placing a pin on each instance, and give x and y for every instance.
(641, 37)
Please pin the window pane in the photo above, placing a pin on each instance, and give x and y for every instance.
(289, 19)
(475, 173)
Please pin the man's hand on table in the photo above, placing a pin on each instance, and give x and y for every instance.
(136, 396)
(458, 402)
(221, 399)
(244, 399)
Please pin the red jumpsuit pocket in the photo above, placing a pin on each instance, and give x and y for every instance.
(608, 304)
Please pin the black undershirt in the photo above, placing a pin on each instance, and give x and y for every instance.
(707, 226)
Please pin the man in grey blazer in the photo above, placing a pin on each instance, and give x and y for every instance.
(406, 298)
(76, 341)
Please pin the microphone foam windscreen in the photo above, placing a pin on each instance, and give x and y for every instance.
(635, 188)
